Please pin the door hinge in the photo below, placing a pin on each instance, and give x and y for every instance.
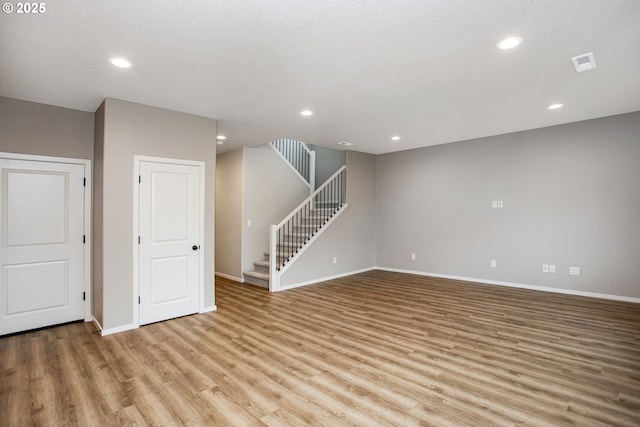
(84, 238)
(84, 182)
(84, 296)
(139, 179)
(138, 299)
(138, 239)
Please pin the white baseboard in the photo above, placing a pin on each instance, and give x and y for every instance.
(228, 276)
(208, 309)
(118, 329)
(95, 322)
(324, 279)
(515, 285)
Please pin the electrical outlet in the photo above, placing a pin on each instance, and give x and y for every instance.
(335, 260)
(545, 268)
(500, 204)
(413, 257)
(552, 268)
(574, 271)
(493, 263)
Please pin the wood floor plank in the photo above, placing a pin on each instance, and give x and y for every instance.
(374, 349)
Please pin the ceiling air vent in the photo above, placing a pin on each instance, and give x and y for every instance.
(584, 62)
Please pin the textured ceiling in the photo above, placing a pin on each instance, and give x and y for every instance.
(426, 70)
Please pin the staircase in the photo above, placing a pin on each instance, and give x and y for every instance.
(292, 237)
(302, 160)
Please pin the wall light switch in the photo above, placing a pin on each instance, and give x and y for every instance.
(552, 268)
(494, 204)
(335, 260)
(248, 223)
(500, 204)
(413, 257)
(493, 263)
(574, 271)
(545, 268)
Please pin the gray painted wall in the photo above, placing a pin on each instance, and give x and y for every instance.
(229, 172)
(44, 130)
(131, 129)
(571, 198)
(98, 224)
(271, 191)
(328, 161)
(351, 238)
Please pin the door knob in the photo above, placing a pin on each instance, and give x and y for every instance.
(195, 247)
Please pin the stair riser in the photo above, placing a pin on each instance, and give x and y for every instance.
(261, 269)
(257, 282)
(281, 257)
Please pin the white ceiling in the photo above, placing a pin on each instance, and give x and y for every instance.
(426, 70)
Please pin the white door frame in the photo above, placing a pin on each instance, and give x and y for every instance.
(136, 227)
(87, 249)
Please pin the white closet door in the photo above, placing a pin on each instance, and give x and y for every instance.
(41, 244)
(169, 225)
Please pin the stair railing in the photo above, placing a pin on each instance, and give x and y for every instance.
(288, 239)
(301, 159)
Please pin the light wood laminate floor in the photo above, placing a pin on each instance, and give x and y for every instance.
(376, 348)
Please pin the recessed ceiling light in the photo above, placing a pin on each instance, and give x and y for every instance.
(395, 138)
(345, 143)
(306, 113)
(221, 137)
(120, 62)
(555, 106)
(510, 43)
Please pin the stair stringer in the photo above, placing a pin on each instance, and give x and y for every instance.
(274, 274)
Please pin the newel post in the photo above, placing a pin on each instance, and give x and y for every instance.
(273, 259)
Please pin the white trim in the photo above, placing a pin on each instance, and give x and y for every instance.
(291, 166)
(95, 322)
(312, 169)
(230, 277)
(324, 279)
(87, 215)
(203, 184)
(208, 309)
(134, 241)
(274, 276)
(88, 246)
(47, 159)
(118, 329)
(137, 159)
(515, 285)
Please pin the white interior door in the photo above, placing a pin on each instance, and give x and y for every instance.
(170, 268)
(41, 244)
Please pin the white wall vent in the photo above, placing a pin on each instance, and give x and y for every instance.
(584, 62)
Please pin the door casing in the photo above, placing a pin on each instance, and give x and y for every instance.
(87, 205)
